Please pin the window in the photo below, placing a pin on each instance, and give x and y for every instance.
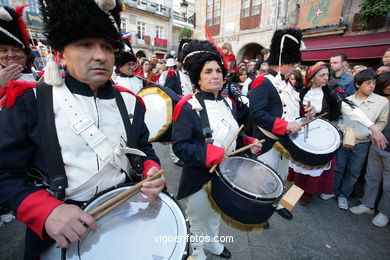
(124, 24)
(33, 5)
(250, 8)
(4, 2)
(140, 30)
(250, 14)
(159, 32)
(213, 13)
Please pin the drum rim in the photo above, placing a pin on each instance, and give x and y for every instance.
(337, 130)
(244, 193)
(170, 195)
(168, 121)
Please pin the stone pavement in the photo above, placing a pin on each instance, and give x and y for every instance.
(319, 230)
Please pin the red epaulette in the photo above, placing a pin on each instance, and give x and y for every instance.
(259, 80)
(14, 90)
(179, 106)
(123, 89)
(171, 73)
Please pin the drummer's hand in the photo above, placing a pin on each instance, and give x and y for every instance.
(378, 138)
(310, 111)
(293, 127)
(67, 223)
(152, 188)
(10, 73)
(257, 147)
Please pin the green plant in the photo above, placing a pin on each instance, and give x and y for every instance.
(185, 33)
(372, 8)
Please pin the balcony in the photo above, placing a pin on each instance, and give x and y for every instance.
(160, 42)
(149, 7)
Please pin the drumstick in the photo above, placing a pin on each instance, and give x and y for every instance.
(212, 169)
(244, 148)
(314, 118)
(134, 189)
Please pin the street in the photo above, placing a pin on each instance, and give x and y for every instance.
(319, 230)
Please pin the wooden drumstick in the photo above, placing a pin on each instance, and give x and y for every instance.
(244, 148)
(123, 196)
(212, 169)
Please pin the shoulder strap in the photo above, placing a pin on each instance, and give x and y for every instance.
(135, 160)
(207, 132)
(51, 147)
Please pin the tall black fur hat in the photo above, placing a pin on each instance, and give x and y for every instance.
(12, 27)
(196, 53)
(69, 20)
(291, 53)
(123, 57)
(183, 42)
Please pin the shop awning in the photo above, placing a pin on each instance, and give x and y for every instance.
(362, 46)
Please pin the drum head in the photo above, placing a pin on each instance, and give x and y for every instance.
(323, 138)
(135, 230)
(252, 178)
(158, 116)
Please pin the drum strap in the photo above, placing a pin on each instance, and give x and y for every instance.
(51, 147)
(206, 129)
(135, 160)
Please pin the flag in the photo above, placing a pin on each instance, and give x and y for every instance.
(127, 35)
(320, 13)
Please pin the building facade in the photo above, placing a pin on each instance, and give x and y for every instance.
(249, 25)
(152, 25)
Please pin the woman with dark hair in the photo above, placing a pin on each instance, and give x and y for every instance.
(378, 170)
(324, 99)
(244, 80)
(296, 80)
(198, 145)
(146, 73)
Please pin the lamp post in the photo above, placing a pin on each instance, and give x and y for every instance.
(183, 9)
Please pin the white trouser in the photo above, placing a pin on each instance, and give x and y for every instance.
(277, 162)
(204, 223)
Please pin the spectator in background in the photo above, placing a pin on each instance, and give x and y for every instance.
(346, 84)
(264, 67)
(153, 63)
(296, 80)
(244, 81)
(383, 69)
(252, 69)
(264, 54)
(160, 67)
(386, 57)
(357, 68)
(146, 73)
(378, 170)
(350, 161)
(228, 56)
(170, 66)
(302, 69)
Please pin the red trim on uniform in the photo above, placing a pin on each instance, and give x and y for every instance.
(14, 90)
(40, 73)
(34, 210)
(340, 90)
(171, 73)
(2, 92)
(280, 126)
(259, 80)
(179, 107)
(123, 89)
(248, 140)
(214, 155)
(233, 101)
(148, 165)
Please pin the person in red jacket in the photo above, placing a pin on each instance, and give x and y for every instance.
(229, 59)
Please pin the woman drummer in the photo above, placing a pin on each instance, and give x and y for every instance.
(325, 99)
(200, 144)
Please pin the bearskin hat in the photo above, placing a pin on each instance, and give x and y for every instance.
(291, 53)
(123, 57)
(12, 28)
(70, 20)
(196, 53)
(182, 42)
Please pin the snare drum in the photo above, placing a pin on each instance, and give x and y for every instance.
(245, 192)
(159, 102)
(135, 230)
(319, 148)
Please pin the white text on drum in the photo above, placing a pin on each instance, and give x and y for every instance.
(164, 239)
